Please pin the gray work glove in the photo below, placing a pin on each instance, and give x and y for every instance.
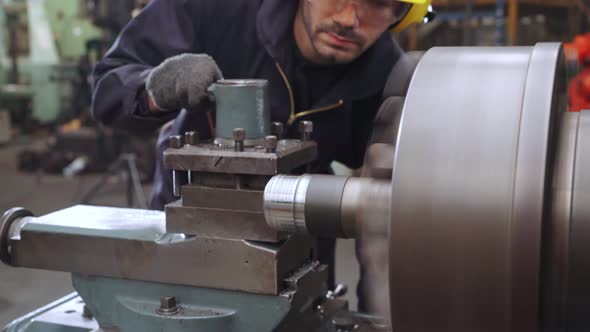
(182, 82)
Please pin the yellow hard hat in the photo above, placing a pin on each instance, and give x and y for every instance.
(418, 11)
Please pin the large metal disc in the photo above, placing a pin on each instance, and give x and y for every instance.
(470, 189)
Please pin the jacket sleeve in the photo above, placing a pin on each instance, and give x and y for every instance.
(363, 117)
(165, 28)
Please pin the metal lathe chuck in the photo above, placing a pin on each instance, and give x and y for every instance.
(488, 203)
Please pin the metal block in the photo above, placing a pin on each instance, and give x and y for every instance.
(290, 154)
(227, 199)
(131, 244)
(219, 223)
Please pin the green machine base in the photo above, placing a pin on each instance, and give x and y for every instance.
(125, 305)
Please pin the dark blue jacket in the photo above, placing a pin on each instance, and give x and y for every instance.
(248, 39)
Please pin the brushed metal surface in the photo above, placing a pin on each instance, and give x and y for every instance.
(578, 293)
(462, 193)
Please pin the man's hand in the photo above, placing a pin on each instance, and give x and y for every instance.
(182, 82)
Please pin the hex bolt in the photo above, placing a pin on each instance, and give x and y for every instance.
(167, 302)
(168, 306)
(191, 138)
(239, 138)
(176, 142)
(277, 129)
(271, 143)
(306, 129)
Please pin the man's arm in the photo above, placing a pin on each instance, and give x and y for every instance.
(363, 117)
(162, 30)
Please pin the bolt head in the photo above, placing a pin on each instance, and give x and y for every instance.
(306, 127)
(271, 143)
(168, 302)
(176, 141)
(191, 138)
(277, 129)
(239, 134)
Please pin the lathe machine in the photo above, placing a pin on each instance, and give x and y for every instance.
(477, 198)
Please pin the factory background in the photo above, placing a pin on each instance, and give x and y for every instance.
(54, 155)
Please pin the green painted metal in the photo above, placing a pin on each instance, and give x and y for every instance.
(57, 35)
(71, 27)
(34, 322)
(242, 104)
(127, 305)
(132, 306)
(43, 58)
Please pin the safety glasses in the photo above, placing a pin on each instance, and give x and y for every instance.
(372, 12)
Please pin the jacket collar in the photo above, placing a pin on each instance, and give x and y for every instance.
(365, 77)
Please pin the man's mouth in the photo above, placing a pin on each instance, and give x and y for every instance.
(339, 41)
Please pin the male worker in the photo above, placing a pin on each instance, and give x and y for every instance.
(326, 61)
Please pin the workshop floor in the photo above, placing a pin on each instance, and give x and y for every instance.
(23, 290)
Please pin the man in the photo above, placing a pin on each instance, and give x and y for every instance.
(326, 61)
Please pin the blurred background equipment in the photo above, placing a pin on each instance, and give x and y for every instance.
(578, 57)
(498, 22)
(45, 59)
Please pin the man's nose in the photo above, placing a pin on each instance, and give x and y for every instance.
(348, 16)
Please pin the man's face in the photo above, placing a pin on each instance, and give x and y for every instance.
(339, 31)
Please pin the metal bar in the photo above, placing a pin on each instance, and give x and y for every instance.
(133, 244)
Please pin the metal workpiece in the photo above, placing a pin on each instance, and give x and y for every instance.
(211, 158)
(327, 206)
(133, 244)
(241, 104)
(284, 203)
(469, 189)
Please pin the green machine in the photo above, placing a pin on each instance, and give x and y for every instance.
(41, 47)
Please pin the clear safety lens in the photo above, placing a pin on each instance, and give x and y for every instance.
(381, 12)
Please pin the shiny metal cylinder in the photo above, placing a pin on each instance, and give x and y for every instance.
(241, 104)
(327, 206)
(284, 203)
